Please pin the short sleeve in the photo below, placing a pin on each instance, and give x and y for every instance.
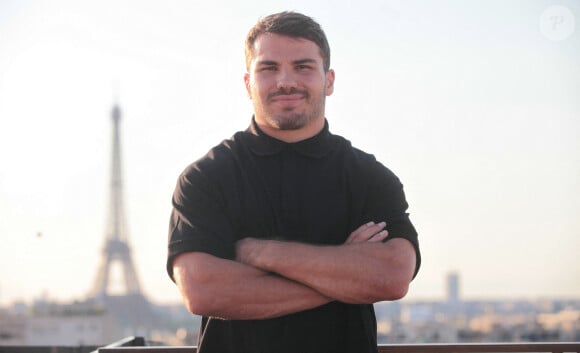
(198, 221)
(387, 203)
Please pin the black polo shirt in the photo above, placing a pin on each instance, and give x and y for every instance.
(314, 191)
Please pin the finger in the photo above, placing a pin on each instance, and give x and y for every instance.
(380, 236)
(373, 231)
(365, 232)
(358, 232)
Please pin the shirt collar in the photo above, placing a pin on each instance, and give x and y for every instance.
(265, 145)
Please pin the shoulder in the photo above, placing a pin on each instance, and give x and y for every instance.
(345, 148)
(354, 154)
(218, 157)
(362, 162)
(217, 165)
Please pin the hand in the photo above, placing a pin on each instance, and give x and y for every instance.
(245, 248)
(369, 232)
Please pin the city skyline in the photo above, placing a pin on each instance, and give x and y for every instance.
(473, 106)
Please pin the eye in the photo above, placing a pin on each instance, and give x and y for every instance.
(268, 68)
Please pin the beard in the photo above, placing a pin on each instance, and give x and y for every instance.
(290, 119)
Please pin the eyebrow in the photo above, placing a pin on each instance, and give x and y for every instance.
(304, 61)
(266, 63)
(295, 62)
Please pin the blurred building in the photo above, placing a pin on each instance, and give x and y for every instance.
(76, 324)
(453, 288)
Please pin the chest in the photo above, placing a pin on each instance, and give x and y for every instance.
(296, 198)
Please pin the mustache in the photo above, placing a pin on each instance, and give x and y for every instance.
(283, 92)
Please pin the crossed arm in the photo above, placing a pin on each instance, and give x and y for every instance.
(274, 278)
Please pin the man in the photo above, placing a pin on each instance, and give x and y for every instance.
(284, 236)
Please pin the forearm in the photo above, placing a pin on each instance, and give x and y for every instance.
(354, 273)
(211, 286)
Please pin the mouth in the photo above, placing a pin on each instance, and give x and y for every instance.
(288, 98)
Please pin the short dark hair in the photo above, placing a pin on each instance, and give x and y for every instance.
(291, 24)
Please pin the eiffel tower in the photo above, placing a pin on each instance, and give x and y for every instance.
(130, 307)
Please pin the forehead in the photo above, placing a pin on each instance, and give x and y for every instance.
(276, 47)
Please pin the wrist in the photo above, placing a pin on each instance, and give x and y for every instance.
(248, 250)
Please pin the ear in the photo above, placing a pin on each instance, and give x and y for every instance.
(247, 83)
(329, 82)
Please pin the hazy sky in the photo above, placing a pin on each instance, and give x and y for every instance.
(473, 104)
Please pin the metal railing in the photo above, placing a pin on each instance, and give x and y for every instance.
(136, 345)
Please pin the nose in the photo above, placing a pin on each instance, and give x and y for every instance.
(286, 80)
